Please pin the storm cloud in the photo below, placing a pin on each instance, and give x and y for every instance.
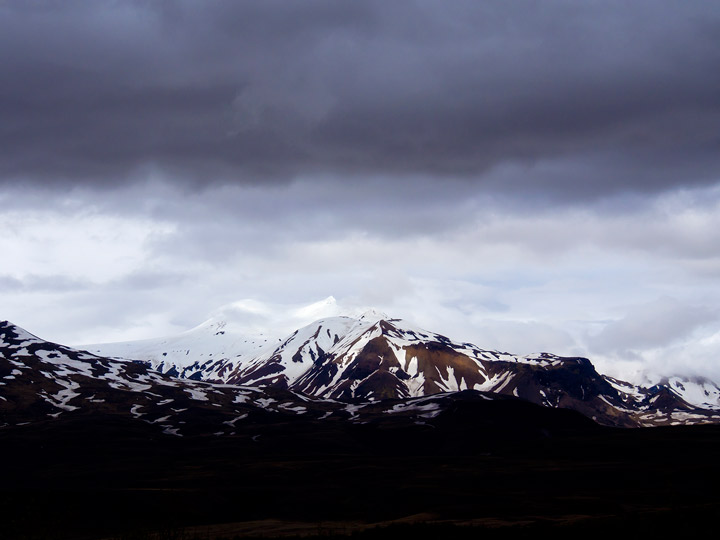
(556, 98)
(523, 175)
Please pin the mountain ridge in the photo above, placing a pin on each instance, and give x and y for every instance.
(43, 384)
(375, 357)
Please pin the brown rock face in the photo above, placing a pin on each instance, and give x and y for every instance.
(438, 363)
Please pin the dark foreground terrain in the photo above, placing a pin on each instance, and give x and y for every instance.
(490, 469)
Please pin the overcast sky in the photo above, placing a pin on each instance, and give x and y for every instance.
(524, 175)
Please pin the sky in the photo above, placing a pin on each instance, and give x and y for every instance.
(528, 176)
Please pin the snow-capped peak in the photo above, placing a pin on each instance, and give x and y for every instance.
(251, 316)
(372, 314)
(318, 310)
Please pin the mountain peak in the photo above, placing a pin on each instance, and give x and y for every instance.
(373, 314)
(324, 308)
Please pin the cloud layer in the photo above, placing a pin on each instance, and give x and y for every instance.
(553, 98)
(525, 175)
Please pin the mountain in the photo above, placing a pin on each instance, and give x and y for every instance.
(375, 357)
(698, 391)
(98, 448)
(42, 381)
(44, 384)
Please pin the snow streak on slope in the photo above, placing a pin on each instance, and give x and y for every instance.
(305, 347)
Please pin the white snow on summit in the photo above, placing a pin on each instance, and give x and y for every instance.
(242, 333)
(212, 340)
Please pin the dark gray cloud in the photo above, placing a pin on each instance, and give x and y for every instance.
(582, 99)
